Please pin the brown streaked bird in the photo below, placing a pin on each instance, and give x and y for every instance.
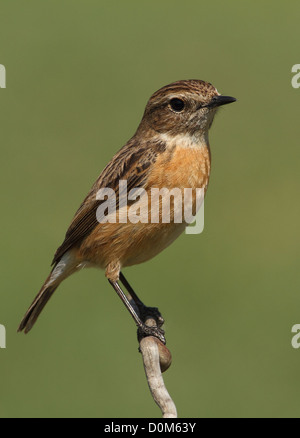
(170, 149)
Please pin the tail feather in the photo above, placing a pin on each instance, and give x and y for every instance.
(36, 307)
(65, 267)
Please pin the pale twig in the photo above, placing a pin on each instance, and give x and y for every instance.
(157, 359)
(153, 352)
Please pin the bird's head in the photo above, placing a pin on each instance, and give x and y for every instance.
(183, 107)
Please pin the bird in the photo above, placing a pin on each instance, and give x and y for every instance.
(170, 149)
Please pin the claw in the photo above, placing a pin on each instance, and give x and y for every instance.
(151, 312)
(157, 332)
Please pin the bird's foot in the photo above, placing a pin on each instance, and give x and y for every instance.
(145, 330)
(151, 312)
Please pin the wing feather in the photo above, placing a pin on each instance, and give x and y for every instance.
(131, 163)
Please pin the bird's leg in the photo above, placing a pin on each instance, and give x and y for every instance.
(143, 310)
(143, 329)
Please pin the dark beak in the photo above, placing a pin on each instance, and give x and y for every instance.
(220, 100)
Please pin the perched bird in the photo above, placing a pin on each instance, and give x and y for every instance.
(170, 149)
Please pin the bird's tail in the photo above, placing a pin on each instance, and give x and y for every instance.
(63, 269)
(37, 306)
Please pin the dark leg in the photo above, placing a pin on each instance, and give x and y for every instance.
(143, 329)
(143, 310)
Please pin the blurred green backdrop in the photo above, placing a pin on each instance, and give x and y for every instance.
(79, 74)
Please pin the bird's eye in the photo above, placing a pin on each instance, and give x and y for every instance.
(177, 105)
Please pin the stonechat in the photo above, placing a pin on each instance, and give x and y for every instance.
(170, 149)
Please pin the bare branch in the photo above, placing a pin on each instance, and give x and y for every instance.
(154, 352)
(157, 359)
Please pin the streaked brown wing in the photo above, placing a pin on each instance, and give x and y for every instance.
(131, 163)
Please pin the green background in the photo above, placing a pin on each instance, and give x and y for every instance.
(79, 74)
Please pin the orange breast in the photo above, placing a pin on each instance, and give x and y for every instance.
(135, 243)
(182, 168)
